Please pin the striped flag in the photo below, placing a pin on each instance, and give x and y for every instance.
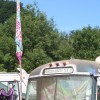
(18, 37)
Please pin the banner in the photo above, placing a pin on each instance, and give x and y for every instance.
(18, 37)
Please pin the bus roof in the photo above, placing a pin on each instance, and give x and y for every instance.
(9, 76)
(14, 76)
(81, 66)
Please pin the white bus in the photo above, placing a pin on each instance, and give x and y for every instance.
(11, 80)
(73, 79)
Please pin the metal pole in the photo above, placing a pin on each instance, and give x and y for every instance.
(20, 81)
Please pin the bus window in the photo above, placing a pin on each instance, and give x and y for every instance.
(7, 90)
(60, 88)
(32, 91)
(4, 86)
(66, 88)
(15, 86)
(74, 87)
(48, 88)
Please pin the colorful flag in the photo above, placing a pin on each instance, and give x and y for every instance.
(18, 37)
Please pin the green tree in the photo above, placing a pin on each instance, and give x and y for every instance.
(40, 40)
(39, 34)
(7, 9)
(64, 50)
(86, 43)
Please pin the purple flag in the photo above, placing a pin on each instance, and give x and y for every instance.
(18, 37)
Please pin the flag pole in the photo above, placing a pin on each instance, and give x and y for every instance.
(18, 40)
(20, 65)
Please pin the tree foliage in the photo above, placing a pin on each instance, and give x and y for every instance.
(86, 43)
(42, 42)
(7, 9)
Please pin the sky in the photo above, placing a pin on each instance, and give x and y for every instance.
(70, 15)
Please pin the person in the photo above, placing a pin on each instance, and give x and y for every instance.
(15, 95)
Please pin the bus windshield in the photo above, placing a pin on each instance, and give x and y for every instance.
(9, 89)
(60, 88)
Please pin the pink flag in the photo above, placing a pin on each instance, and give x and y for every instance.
(18, 37)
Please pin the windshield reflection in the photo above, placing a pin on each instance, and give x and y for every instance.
(60, 88)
